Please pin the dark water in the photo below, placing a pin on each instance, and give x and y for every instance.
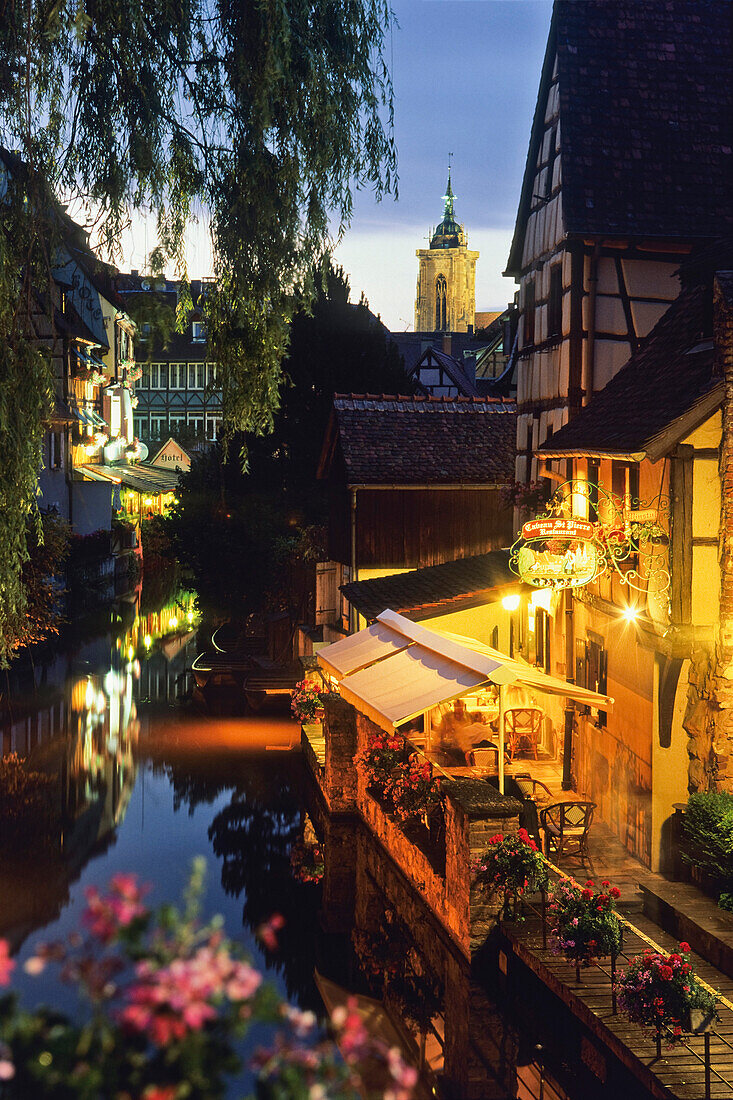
(145, 781)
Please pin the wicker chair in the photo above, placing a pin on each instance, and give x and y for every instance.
(522, 724)
(485, 758)
(566, 826)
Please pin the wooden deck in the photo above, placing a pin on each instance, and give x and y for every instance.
(680, 1071)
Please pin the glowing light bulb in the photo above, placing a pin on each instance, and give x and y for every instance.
(189, 616)
(130, 652)
(173, 623)
(511, 603)
(630, 614)
(147, 641)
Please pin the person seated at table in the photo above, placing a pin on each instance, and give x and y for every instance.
(460, 731)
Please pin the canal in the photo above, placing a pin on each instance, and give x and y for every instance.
(146, 778)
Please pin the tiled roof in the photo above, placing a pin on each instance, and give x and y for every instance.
(452, 368)
(659, 384)
(646, 118)
(419, 440)
(435, 589)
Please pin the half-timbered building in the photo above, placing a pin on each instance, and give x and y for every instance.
(629, 167)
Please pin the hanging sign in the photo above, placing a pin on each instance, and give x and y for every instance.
(555, 552)
(628, 537)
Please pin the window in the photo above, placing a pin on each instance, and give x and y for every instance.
(55, 455)
(158, 427)
(163, 376)
(542, 638)
(196, 376)
(211, 378)
(591, 668)
(196, 424)
(177, 423)
(145, 377)
(199, 332)
(141, 426)
(529, 314)
(178, 376)
(441, 295)
(551, 158)
(594, 472)
(554, 305)
(213, 427)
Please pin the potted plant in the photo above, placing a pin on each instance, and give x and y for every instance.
(512, 864)
(584, 924)
(307, 700)
(661, 992)
(306, 861)
(413, 790)
(383, 753)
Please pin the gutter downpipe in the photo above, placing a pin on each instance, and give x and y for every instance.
(353, 614)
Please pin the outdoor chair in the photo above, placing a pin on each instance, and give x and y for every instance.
(485, 758)
(522, 724)
(566, 826)
(533, 788)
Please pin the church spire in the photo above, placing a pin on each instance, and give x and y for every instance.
(448, 197)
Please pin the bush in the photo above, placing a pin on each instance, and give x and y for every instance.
(379, 759)
(26, 804)
(168, 998)
(708, 832)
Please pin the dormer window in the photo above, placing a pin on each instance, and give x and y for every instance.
(199, 332)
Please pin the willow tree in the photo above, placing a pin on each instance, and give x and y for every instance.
(265, 114)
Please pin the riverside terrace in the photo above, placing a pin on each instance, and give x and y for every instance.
(437, 865)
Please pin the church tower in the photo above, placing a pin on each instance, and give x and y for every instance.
(446, 281)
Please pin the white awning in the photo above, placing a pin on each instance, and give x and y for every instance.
(359, 650)
(400, 681)
(403, 686)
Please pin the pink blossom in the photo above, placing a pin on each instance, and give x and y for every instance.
(7, 965)
(7, 1070)
(267, 932)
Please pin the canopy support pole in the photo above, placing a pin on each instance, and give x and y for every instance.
(502, 704)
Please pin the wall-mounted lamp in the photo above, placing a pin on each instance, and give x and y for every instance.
(511, 603)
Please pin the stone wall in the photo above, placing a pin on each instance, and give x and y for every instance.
(473, 812)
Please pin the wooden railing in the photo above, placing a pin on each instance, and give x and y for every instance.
(704, 1058)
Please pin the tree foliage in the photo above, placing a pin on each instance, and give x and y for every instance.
(267, 115)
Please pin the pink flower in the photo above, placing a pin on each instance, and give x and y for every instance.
(7, 965)
(267, 932)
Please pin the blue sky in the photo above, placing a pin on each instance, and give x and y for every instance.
(466, 74)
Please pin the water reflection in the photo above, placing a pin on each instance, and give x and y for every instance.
(142, 783)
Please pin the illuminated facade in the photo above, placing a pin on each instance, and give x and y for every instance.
(446, 282)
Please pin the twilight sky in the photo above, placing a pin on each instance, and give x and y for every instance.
(466, 74)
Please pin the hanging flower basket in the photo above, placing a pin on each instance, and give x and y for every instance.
(584, 924)
(662, 993)
(511, 865)
(307, 862)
